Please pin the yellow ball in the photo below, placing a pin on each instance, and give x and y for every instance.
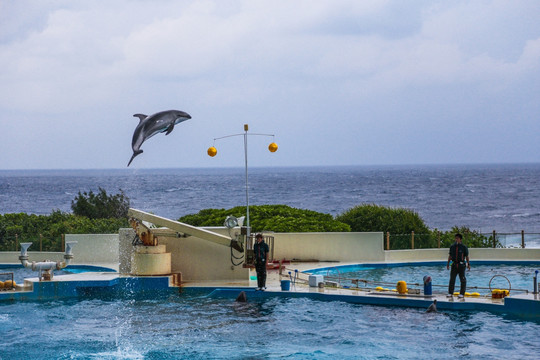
(379, 288)
(212, 151)
(8, 284)
(273, 147)
(401, 287)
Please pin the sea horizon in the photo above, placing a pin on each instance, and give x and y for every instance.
(284, 167)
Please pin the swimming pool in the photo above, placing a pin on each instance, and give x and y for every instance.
(520, 275)
(195, 326)
(20, 273)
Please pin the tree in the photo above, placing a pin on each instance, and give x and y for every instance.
(471, 238)
(101, 205)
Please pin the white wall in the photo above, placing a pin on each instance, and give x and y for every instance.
(196, 259)
(344, 247)
(199, 259)
(91, 249)
(95, 249)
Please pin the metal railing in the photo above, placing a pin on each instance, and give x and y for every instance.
(267, 238)
(437, 240)
(39, 243)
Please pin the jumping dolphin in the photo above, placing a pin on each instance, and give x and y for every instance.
(149, 126)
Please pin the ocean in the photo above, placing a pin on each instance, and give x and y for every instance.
(504, 198)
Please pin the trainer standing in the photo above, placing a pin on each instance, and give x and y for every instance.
(458, 254)
(260, 250)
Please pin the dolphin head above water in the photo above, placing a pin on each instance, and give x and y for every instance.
(163, 121)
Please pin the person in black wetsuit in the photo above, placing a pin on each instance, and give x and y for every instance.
(260, 252)
(458, 254)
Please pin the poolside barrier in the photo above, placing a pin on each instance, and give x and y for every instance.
(315, 280)
(427, 285)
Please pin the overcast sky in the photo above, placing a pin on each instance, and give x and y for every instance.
(337, 82)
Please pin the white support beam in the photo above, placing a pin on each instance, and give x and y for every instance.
(180, 227)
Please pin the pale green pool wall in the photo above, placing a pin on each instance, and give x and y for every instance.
(200, 260)
(91, 249)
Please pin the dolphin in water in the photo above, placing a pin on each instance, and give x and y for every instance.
(149, 126)
(242, 297)
(432, 307)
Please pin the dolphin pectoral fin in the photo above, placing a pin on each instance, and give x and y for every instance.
(135, 153)
(140, 116)
(169, 129)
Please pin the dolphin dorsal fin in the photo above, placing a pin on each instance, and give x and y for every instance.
(140, 116)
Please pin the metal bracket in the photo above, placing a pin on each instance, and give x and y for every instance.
(143, 232)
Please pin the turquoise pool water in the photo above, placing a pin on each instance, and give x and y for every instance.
(191, 325)
(520, 276)
(167, 324)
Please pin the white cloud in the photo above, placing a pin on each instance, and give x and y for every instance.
(291, 66)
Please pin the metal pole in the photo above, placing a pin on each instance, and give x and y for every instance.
(412, 240)
(388, 240)
(438, 239)
(523, 239)
(248, 230)
(494, 235)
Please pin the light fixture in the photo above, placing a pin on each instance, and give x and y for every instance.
(230, 222)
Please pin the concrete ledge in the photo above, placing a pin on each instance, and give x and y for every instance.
(475, 254)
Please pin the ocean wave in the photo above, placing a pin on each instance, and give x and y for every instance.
(526, 215)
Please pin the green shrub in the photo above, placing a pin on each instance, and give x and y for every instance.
(399, 222)
(471, 238)
(29, 228)
(371, 217)
(277, 218)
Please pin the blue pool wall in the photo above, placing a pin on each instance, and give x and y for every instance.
(107, 286)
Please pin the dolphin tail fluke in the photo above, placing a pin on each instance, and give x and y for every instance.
(135, 153)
